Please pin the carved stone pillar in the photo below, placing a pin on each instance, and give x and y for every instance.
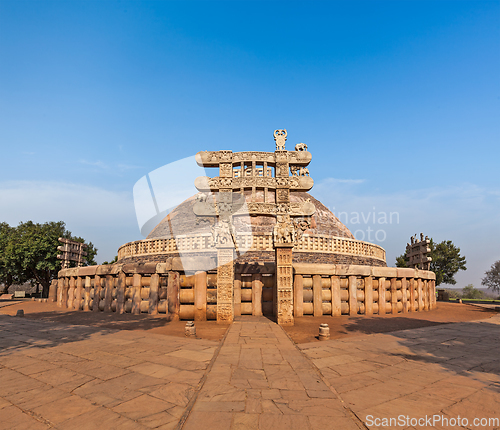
(225, 277)
(284, 283)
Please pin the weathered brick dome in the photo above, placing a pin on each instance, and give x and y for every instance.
(182, 220)
(327, 241)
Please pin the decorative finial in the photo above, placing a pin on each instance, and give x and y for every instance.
(280, 138)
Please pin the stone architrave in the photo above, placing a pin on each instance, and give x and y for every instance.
(251, 170)
(417, 252)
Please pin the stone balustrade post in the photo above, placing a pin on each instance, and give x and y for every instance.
(317, 296)
(404, 291)
(353, 295)
(298, 296)
(136, 298)
(394, 297)
(86, 297)
(336, 299)
(381, 296)
(200, 296)
(153, 294)
(173, 303)
(97, 294)
(257, 294)
(121, 286)
(237, 294)
(368, 296)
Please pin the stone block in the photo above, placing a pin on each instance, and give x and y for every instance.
(193, 264)
(163, 268)
(314, 269)
(405, 272)
(87, 270)
(105, 269)
(139, 268)
(353, 270)
(385, 272)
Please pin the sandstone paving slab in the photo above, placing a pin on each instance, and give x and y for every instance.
(440, 372)
(58, 376)
(263, 385)
(257, 379)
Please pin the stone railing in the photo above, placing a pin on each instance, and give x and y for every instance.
(187, 289)
(251, 242)
(166, 288)
(321, 289)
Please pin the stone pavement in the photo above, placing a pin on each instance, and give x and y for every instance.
(260, 380)
(59, 376)
(77, 377)
(449, 370)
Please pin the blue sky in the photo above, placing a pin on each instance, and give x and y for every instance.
(397, 101)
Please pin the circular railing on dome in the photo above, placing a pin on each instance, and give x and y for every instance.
(251, 242)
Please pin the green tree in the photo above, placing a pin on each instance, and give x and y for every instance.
(469, 292)
(492, 278)
(114, 260)
(30, 254)
(446, 261)
(402, 260)
(5, 275)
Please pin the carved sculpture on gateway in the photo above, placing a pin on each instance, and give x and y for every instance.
(280, 137)
(284, 230)
(301, 225)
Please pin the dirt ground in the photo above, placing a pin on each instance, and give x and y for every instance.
(209, 330)
(305, 328)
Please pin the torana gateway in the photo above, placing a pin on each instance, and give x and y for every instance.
(251, 242)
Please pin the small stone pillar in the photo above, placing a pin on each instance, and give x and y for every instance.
(394, 296)
(78, 293)
(108, 293)
(420, 295)
(136, 298)
(336, 300)
(368, 296)
(284, 283)
(317, 296)
(200, 296)
(257, 294)
(121, 286)
(53, 291)
(381, 296)
(60, 291)
(324, 332)
(237, 294)
(173, 302)
(225, 276)
(97, 294)
(190, 329)
(353, 295)
(86, 297)
(412, 294)
(71, 292)
(153, 294)
(404, 290)
(298, 296)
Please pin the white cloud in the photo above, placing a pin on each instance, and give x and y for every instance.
(125, 167)
(97, 163)
(107, 218)
(465, 214)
